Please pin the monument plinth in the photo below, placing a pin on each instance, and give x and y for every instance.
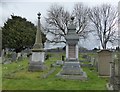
(71, 68)
(37, 59)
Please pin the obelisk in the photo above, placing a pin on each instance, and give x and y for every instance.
(37, 59)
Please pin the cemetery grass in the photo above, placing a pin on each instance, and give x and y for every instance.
(15, 76)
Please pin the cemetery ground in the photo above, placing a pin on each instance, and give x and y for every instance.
(15, 76)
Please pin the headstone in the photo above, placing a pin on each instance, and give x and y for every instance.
(104, 58)
(38, 53)
(24, 55)
(116, 72)
(7, 61)
(14, 56)
(6, 51)
(119, 65)
(93, 61)
(71, 67)
(114, 83)
(3, 53)
(0, 60)
(19, 56)
(84, 56)
(115, 77)
(2, 56)
(59, 62)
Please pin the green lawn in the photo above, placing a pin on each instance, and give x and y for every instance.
(17, 77)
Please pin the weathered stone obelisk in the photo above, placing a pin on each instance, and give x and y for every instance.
(71, 68)
(37, 59)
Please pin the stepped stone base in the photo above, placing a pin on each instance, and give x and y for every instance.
(36, 66)
(72, 70)
(73, 77)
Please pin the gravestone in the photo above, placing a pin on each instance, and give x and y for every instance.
(2, 58)
(19, 56)
(3, 53)
(24, 55)
(14, 56)
(104, 58)
(59, 62)
(119, 64)
(92, 61)
(115, 73)
(114, 83)
(71, 68)
(37, 58)
(7, 61)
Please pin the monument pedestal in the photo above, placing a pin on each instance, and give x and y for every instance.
(72, 70)
(36, 66)
(36, 62)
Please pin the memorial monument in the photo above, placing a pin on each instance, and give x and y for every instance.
(37, 59)
(104, 58)
(71, 67)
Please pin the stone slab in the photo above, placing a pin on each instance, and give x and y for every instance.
(71, 68)
(0, 60)
(73, 77)
(36, 66)
(59, 62)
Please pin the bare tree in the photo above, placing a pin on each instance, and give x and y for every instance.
(82, 20)
(104, 19)
(59, 18)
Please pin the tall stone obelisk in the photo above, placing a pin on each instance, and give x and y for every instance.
(37, 59)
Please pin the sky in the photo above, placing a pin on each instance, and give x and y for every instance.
(30, 8)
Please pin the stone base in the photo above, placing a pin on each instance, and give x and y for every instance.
(72, 70)
(36, 66)
(73, 77)
(36, 61)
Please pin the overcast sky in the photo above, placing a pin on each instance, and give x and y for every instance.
(30, 8)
